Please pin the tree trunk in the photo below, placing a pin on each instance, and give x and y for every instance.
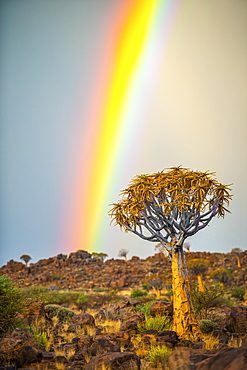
(238, 261)
(200, 283)
(184, 321)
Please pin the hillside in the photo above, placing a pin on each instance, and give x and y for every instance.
(79, 271)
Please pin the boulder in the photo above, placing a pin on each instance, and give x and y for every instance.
(115, 361)
(188, 359)
(161, 308)
(83, 341)
(14, 351)
(60, 360)
(102, 345)
(83, 255)
(226, 359)
(83, 319)
(230, 318)
(168, 338)
(130, 325)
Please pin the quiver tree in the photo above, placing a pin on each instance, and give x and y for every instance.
(198, 267)
(158, 282)
(222, 276)
(26, 258)
(160, 247)
(236, 252)
(168, 207)
(123, 253)
(101, 256)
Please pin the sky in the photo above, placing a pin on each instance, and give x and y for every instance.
(95, 92)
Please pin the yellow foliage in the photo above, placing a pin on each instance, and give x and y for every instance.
(179, 188)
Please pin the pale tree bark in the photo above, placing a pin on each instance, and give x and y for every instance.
(184, 321)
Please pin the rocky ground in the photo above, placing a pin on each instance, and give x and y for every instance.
(80, 271)
(88, 341)
(98, 348)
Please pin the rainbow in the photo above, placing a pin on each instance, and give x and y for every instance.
(132, 57)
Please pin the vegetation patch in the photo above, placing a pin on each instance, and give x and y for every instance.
(159, 323)
(63, 314)
(158, 354)
(12, 304)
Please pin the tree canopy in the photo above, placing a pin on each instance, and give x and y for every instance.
(177, 203)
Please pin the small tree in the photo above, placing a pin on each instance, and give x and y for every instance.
(161, 249)
(197, 267)
(26, 258)
(168, 207)
(222, 276)
(123, 253)
(101, 256)
(187, 246)
(207, 299)
(236, 251)
(158, 282)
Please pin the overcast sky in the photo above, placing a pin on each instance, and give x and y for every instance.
(196, 116)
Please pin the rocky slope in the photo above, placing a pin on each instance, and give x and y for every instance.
(80, 271)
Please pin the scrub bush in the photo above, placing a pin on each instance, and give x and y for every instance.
(38, 294)
(82, 300)
(11, 305)
(158, 354)
(144, 308)
(138, 293)
(207, 326)
(203, 301)
(238, 293)
(159, 323)
(63, 314)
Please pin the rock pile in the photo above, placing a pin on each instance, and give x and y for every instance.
(80, 271)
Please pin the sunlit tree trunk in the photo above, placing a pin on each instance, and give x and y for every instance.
(200, 283)
(238, 261)
(184, 321)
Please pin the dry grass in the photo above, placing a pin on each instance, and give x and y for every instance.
(87, 330)
(111, 326)
(235, 342)
(210, 342)
(60, 366)
(140, 347)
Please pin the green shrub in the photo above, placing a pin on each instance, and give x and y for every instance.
(56, 277)
(99, 290)
(203, 301)
(158, 354)
(169, 293)
(38, 294)
(12, 304)
(144, 308)
(222, 276)
(41, 337)
(238, 293)
(63, 314)
(207, 326)
(65, 298)
(159, 323)
(138, 293)
(224, 300)
(82, 300)
(146, 286)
